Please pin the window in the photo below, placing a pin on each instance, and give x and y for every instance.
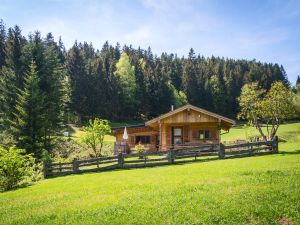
(177, 132)
(203, 134)
(177, 136)
(142, 139)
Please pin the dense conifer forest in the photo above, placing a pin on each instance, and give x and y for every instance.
(43, 85)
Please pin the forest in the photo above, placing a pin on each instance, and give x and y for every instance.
(44, 86)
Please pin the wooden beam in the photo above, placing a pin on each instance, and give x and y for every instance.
(159, 135)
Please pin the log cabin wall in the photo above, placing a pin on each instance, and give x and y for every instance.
(191, 122)
(189, 116)
(134, 132)
(191, 134)
(198, 128)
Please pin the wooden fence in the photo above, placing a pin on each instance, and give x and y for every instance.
(125, 161)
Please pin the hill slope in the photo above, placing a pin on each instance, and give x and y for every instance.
(255, 190)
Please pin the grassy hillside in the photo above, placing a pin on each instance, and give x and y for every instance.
(255, 190)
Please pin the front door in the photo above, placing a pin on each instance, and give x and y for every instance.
(177, 136)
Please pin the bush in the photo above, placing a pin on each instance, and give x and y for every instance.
(139, 148)
(16, 168)
(67, 149)
(107, 149)
(6, 139)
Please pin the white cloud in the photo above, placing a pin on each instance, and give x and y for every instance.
(139, 37)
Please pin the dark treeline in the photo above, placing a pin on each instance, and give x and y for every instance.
(42, 84)
(159, 81)
(212, 83)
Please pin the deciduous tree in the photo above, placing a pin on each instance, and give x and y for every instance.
(270, 108)
(94, 134)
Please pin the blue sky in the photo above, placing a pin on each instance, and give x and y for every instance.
(266, 30)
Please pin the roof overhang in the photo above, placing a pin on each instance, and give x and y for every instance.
(188, 107)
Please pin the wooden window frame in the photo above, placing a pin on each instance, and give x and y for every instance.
(177, 136)
(143, 136)
(206, 135)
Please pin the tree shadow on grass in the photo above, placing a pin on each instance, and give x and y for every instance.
(296, 152)
(20, 186)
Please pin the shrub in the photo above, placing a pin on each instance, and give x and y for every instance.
(94, 133)
(6, 139)
(16, 168)
(67, 149)
(139, 148)
(108, 149)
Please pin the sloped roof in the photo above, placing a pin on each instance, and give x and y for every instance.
(189, 106)
(130, 126)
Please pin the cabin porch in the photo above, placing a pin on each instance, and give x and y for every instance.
(172, 136)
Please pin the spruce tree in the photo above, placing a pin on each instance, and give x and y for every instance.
(218, 94)
(14, 54)
(75, 65)
(12, 75)
(52, 82)
(29, 123)
(8, 97)
(2, 44)
(189, 79)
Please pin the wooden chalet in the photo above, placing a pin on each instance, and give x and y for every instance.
(183, 127)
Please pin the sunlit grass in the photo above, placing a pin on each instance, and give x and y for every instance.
(77, 132)
(254, 190)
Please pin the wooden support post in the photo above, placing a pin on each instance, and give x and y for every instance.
(221, 151)
(75, 165)
(160, 144)
(250, 148)
(275, 145)
(60, 169)
(45, 169)
(171, 156)
(120, 160)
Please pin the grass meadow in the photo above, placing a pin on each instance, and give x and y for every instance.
(254, 190)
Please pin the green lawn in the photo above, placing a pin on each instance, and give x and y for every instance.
(254, 190)
(77, 132)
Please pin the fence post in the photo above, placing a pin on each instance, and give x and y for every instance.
(171, 156)
(275, 145)
(250, 148)
(45, 169)
(75, 166)
(222, 151)
(120, 160)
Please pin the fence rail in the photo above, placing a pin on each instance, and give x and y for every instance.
(148, 159)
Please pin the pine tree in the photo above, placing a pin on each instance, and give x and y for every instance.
(56, 92)
(29, 123)
(218, 94)
(14, 54)
(189, 80)
(8, 97)
(298, 80)
(52, 82)
(76, 70)
(12, 75)
(2, 44)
